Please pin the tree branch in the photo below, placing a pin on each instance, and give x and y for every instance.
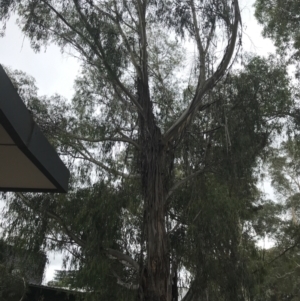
(179, 183)
(55, 217)
(189, 177)
(97, 42)
(133, 55)
(130, 14)
(130, 286)
(123, 258)
(210, 36)
(278, 256)
(189, 295)
(90, 158)
(186, 117)
(124, 138)
(69, 25)
(143, 36)
(101, 11)
(201, 52)
(101, 55)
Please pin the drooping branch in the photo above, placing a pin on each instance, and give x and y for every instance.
(54, 216)
(96, 47)
(101, 11)
(191, 176)
(97, 42)
(87, 156)
(127, 285)
(123, 258)
(279, 256)
(124, 138)
(189, 296)
(186, 117)
(68, 24)
(129, 11)
(132, 53)
(210, 36)
(183, 181)
(68, 40)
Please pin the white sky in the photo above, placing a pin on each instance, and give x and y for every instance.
(55, 72)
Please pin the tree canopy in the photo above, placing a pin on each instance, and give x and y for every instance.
(164, 149)
(281, 22)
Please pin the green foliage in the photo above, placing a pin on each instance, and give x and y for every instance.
(284, 173)
(281, 276)
(281, 22)
(12, 287)
(92, 216)
(280, 221)
(18, 267)
(220, 209)
(213, 241)
(132, 93)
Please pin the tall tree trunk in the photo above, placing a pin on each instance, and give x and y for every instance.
(156, 270)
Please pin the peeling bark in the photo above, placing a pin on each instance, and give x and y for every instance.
(156, 271)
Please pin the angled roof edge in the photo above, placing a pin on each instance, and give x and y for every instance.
(18, 122)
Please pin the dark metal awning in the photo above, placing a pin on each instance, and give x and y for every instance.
(27, 160)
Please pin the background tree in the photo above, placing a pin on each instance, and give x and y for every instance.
(281, 262)
(280, 20)
(281, 23)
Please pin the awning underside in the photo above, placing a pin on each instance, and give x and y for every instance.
(16, 170)
(28, 162)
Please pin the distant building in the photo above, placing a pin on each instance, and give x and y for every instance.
(21, 275)
(46, 293)
(29, 265)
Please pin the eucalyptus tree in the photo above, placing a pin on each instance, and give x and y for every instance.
(133, 98)
(147, 130)
(162, 164)
(100, 223)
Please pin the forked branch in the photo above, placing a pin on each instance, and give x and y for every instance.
(186, 117)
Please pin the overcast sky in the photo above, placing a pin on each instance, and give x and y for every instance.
(55, 72)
